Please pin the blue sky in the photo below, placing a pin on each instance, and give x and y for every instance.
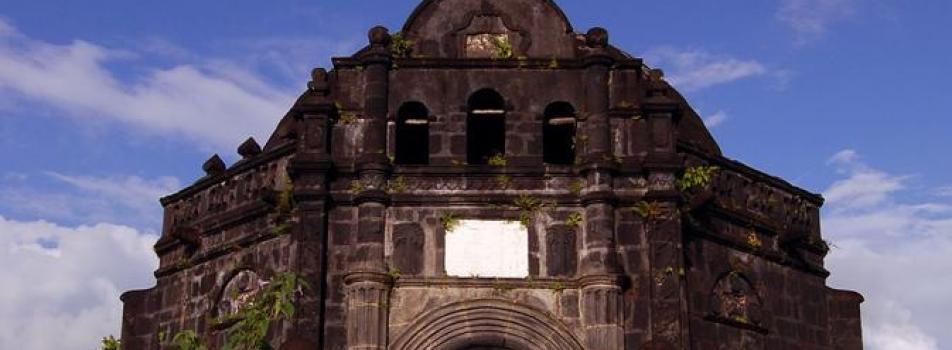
(107, 105)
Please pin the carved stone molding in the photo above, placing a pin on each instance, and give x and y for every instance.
(368, 296)
(487, 323)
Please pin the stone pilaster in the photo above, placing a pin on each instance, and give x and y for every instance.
(368, 296)
(602, 312)
(308, 171)
(598, 253)
(668, 309)
(367, 283)
(601, 292)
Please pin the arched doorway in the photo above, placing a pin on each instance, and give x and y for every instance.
(485, 324)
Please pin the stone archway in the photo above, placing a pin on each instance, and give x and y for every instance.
(486, 324)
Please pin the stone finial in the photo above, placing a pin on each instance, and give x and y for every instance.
(214, 166)
(597, 38)
(318, 81)
(379, 36)
(249, 148)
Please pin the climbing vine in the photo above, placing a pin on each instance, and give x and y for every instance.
(250, 324)
(188, 340)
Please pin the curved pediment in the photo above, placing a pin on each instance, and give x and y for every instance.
(466, 28)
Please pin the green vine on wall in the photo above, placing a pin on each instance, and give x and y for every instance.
(648, 210)
(449, 221)
(188, 340)
(575, 219)
(399, 45)
(251, 323)
(576, 187)
(497, 159)
(698, 176)
(528, 207)
(398, 184)
(284, 208)
(503, 46)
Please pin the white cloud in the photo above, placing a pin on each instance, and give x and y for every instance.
(61, 285)
(809, 19)
(131, 191)
(694, 69)
(715, 119)
(214, 103)
(864, 187)
(131, 200)
(896, 254)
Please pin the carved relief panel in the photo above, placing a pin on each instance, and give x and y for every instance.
(238, 292)
(735, 299)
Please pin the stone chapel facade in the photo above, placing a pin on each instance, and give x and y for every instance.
(495, 114)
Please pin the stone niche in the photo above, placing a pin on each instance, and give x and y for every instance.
(487, 248)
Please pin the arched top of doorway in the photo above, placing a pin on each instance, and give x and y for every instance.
(486, 323)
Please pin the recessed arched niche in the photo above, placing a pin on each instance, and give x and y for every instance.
(558, 134)
(485, 127)
(412, 134)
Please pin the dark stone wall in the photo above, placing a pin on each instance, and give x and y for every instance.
(736, 264)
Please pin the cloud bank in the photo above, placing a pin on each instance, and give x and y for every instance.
(897, 253)
(62, 284)
(215, 103)
(130, 200)
(693, 70)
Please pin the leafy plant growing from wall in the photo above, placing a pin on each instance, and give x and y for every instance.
(497, 160)
(503, 180)
(398, 184)
(250, 324)
(648, 210)
(188, 340)
(355, 187)
(449, 221)
(503, 46)
(576, 187)
(528, 207)
(574, 220)
(110, 343)
(399, 45)
(284, 208)
(698, 176)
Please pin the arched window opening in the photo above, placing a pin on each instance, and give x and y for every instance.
(413, 134)
(558, 134)
(485, 127)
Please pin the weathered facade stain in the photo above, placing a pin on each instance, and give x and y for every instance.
(620, 255)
